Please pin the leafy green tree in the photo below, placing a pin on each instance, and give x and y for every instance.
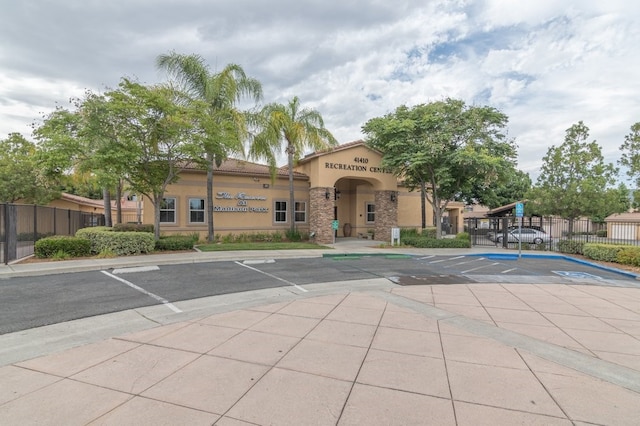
(81, 142)
(20, 176)
(227, 130)
(158, 135)
(513, 186)
(299, 128)
(631, 154)
(574, 179)
(445, 148)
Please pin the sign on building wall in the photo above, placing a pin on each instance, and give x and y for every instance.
(242, 200)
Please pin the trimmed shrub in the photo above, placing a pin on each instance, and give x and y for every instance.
(602, 252)
(72, 246)
(629, 256)
(408, 232)
(175, 242)
(570, 246)
(421, 242)
(121, 243)
(133, 227)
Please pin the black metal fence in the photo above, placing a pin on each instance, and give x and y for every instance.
(548, 231)
(22, 225)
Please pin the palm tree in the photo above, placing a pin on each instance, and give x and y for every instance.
(220, 91)
(301, 128)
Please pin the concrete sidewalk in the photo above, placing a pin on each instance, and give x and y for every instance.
(349, 353)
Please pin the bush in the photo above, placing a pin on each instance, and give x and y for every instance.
(602, 252)
(176, 242)
(429, 232)
(463, 236)
(54, 246)
(293, 236)
(570, 246)
(629, 256)
(120, 243)
(133, 227)
(408, 232)
(421, 242)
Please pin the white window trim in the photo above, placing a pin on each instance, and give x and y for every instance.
(276, 211)
(204, 210)
(174, 209)
(300, 211)
(366, 212)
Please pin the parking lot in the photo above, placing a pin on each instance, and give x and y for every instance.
(27, 302)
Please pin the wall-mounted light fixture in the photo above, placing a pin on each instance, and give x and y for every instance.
(393, 197)
(337, 194)
(327, 194)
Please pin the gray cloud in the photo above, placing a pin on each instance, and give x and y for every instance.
(546, 64)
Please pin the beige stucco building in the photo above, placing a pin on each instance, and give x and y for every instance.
(346, 183)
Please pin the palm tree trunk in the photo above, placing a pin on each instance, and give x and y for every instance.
(106, 197)
(119, 202)
(210, 230)
(423, 203)
(291, 195)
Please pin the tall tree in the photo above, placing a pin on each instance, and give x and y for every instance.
(158, 137)
(445, 148)
(513, 186)
(20, 176)
(631, 154)
(220, 92)
(574, 178)
(83, 142)
(299, 128)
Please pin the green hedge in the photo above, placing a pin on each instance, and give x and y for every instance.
(119, 243)
(603, 252)
(72, 246)
(629, 256)
(570, 246)
(422, 242)
(175, 242)
(133, 227)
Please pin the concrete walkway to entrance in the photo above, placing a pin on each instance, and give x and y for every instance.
(349, 353)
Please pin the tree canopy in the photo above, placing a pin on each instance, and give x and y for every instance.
(226, 129)
(574, 178)
(20, 176)
(445, 148)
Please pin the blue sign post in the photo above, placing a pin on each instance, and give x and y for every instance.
(520, 215)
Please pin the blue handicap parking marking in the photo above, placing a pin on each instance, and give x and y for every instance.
(576, 274)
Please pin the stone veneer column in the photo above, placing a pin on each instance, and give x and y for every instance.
(386, 214)
(321, 214)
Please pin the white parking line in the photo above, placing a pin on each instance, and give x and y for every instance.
(135, 269)
(272, 276)
(463, 263)
(508, 270)
(444, 260)
(479, 267)
(143, 291)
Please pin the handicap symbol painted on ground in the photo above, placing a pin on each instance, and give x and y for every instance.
(576, 274)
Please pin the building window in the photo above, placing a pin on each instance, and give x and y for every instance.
(300, 212)
(280, 212)
(196, 210)
(371, 212)
(168, 210)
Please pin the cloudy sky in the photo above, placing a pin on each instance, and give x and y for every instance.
(547, 64)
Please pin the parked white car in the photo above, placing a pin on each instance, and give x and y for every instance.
(525, 235)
